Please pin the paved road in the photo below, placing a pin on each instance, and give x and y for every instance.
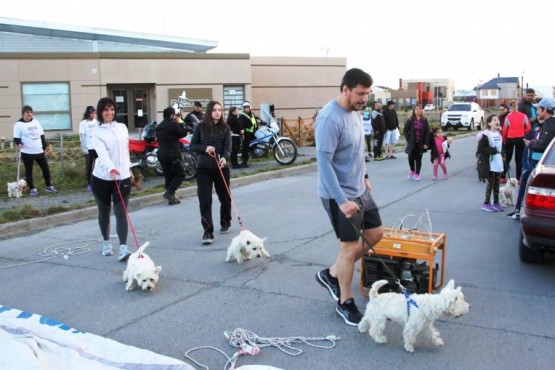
(199, 296)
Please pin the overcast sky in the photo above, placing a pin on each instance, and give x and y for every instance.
(467, 41)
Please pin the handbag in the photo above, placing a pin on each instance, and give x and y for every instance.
(397, 134)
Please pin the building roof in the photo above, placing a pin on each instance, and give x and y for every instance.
(31, 36)
(494, 83)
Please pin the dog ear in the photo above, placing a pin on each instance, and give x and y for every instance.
(264, 239)
(158, 269)
(451, 284)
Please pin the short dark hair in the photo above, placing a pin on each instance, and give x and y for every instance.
(530, 91)
(26, 108)
(503, 105)
(390, 103)
(102, 104)
(354, 77)
(169, 112)
(198, 104)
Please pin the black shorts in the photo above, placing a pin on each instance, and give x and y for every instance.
(348, 229)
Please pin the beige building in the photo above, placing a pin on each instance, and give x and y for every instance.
(59, 72)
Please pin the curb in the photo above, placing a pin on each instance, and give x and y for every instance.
(18, 228)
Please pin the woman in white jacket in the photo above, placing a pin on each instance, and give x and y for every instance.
(111, 142)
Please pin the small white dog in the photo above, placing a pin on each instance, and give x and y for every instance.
(246, 246)
(141, 271)
(15, 189)
(506, 192)
(417, 312)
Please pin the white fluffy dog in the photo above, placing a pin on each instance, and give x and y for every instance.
(506, 192)
(246, 246)
(15, 189)
(141, 271)
(417, 312)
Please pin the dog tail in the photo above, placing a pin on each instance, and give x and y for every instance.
(375, 287)
(143, 247)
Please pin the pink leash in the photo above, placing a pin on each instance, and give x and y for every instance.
(127, 215)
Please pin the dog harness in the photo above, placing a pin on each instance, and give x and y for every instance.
(410, 301)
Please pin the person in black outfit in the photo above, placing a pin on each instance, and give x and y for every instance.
(236, 134)
(249, 123)
(195, 117)
(168, 132)
(212, 141)
(378, 126)
(504, 108)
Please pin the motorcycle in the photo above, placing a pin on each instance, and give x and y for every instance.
(143, 155)
(267, 138)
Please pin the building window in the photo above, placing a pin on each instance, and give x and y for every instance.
(50, 103)
(233, 97)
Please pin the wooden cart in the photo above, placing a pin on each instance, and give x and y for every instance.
(410, 244)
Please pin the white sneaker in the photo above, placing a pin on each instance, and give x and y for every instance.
(107, 248)
(123, 253)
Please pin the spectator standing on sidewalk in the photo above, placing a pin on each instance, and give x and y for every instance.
(367, 123)
(111, 177)
(378, 128)
(29, 137)
(195, 117)
(490, 146)
(344, 188)
(168, 133)
(527, 107)
(249, 123)
(417, 135)
(515, 128)
(504, 109)
(86, 128)
(391, 126)
(236, 135)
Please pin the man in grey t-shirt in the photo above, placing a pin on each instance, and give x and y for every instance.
(344, 187)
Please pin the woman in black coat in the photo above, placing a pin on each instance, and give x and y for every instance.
(417, 135)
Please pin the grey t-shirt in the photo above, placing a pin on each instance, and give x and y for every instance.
(339, 137)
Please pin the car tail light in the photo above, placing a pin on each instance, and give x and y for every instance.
(539, 197)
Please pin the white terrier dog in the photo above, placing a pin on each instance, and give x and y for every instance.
(141, 271)
(417, 312)
(506, 192)
(245, 246)
(15, 189)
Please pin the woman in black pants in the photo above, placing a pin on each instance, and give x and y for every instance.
(212, 141)
(417, 134)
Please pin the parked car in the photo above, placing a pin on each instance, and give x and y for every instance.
(537, 214)
(463, 115)
(429, 107)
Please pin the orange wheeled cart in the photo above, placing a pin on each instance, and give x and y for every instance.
(412, 245)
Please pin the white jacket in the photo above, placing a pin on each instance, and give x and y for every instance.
(111, 142)
(86, 128)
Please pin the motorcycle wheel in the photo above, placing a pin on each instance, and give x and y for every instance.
(158, 170)
(285, 151)
(189, 163)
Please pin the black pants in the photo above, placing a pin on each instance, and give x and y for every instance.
(206, 177)
(493, 187)
(28, 160)
(90, 158)
(235, 147)
(174, 174)
(368, 139)
(415, 159)
(515, 145)
(105, 192)
(245, 148)
(379, 143)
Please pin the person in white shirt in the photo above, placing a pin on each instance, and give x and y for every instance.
(86, 128)
(29, 137)
(111, 177)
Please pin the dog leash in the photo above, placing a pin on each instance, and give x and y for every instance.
(239, 220)
(127, 215)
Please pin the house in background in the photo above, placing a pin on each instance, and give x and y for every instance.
(498, 90)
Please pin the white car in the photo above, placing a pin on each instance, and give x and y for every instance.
(429, 107)
(463, 115)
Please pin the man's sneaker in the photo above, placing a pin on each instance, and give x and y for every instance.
(50, 189)
(329, 282)
(379, 158)
(411, 175)
(349, 312)
(392, 157)
(487, 207)
(33, 192)
(416, 177)
(107, 248)
(123, 253)
(514, 215)
(224, 229)
(207, 238)
(497, 207)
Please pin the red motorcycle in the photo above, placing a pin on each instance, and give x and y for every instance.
(143, 155)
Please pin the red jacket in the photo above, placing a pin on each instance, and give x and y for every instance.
(516, 125)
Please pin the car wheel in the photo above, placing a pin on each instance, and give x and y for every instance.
(471, 126)
(528, 255)
(481, 123)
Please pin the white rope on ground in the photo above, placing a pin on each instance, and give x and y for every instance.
(56, 250)
(251, 344)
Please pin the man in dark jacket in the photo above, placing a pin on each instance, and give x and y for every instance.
(378, 126)
(169, 131)
(249, 123)
(195, 117)
(391, 126)
(525, 106)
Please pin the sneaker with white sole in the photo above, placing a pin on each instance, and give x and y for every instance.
(514, 215)
(33, 192)
(123, 253)
(50, 189)
(349, 312)
(330, 283)
(107, 248)
(497, 207)
(487, 207)
(207, 238)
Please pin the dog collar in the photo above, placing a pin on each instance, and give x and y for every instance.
(410, 301)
